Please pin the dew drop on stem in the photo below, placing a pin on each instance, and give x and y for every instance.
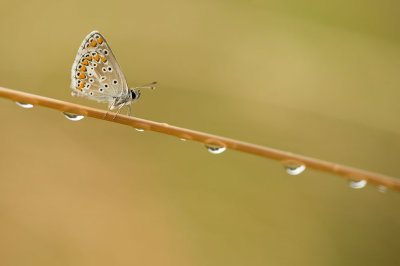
(215, 149)
(73, 117)
(357, 184)
(382, 188)
(294, 168)
(24, 105)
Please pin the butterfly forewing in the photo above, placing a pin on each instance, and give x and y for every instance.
(96, 73)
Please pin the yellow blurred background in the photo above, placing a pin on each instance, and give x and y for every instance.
(318, 78)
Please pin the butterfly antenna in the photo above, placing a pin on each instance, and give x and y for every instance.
(147, 86)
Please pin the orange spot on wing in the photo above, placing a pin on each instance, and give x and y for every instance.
(83, 68)
(85, 62)
(104, 59)
(89, 58)
(81, 86)
(81, 76)
(100, 40)
(97, 57)
(93, 43)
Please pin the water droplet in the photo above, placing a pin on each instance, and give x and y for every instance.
(73, 117)
(185, 137)
(381, 188)
(294, 168)
(357, 184)
(215, 149)
(139, 129)
(24, 105)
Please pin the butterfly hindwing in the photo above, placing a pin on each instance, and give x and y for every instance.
(96, 73)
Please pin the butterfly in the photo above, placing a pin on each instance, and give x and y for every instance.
(96, 75)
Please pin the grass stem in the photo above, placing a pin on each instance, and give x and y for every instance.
(208, 139)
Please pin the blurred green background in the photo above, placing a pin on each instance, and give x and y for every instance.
(318, 78)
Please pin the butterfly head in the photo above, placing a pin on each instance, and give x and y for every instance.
(135, 94)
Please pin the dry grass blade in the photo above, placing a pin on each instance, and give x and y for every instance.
(208, 139)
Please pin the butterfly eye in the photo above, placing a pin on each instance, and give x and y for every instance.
(101, 90)
(105, 52)
(78, 74)
(115, 81)
(97, 36)
(88, 86)
(94, 64)
(109, 69)
(91, 80)
(93, 53)
(87, 45)
(104, 69)
(87, 55)
(103, 78)
(90, 74)
(91, 40)
(106, 86)
(91, 93)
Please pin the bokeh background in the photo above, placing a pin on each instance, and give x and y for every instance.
(318, 78)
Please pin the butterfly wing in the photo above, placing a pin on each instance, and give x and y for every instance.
(96, 74)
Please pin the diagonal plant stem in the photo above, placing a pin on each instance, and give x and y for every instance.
(207, 139)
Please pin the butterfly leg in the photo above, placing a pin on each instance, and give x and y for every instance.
(129, 109)
(119, 110)
(111, 106)
(105, 115)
